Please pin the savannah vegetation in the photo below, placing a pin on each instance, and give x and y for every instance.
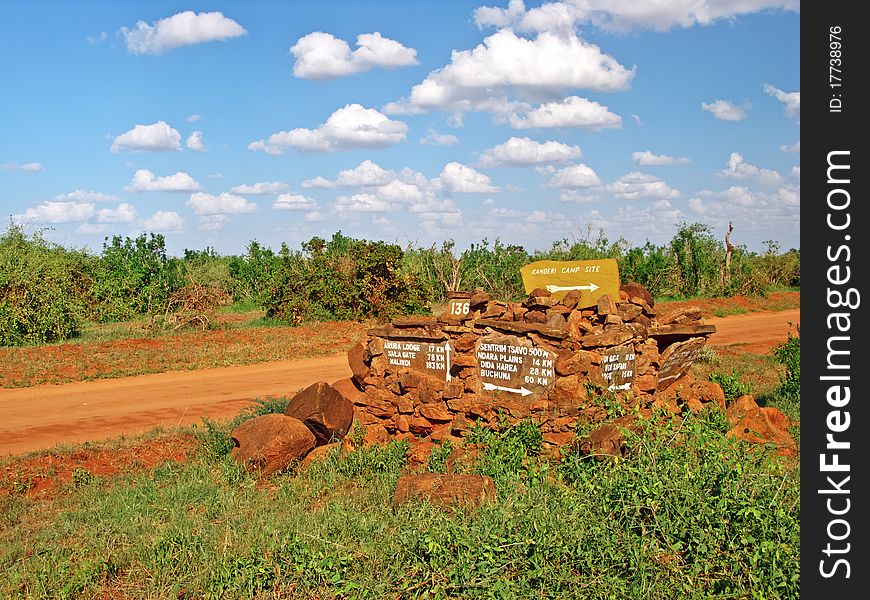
(686, 513)
(50, 293)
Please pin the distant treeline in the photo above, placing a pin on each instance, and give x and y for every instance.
(48, 291)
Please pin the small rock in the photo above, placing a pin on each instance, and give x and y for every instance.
(450, 490)
(270, 443)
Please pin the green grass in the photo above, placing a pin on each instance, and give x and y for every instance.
(689, 513)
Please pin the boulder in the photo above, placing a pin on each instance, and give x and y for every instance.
(270, 443)
(634, 289)
(356, 358)
(465, 491)
(319, 454)
(324, 410)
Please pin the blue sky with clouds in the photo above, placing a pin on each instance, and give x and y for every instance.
(220, 122)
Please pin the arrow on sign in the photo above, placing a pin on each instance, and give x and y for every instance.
(560, 288)
(448, 350)
(491, 386)
(624, 386)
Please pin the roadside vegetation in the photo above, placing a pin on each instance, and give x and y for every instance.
(49, 293)
(687, 512)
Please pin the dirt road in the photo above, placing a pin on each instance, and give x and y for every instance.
(43, 416)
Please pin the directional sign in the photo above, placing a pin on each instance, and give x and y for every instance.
(592, 278)
(433, 359)
(619, 367)
(676, 360)
(513, 367)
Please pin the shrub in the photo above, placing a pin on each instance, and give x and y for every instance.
(43, 289)
(789, 354)
(342, 279)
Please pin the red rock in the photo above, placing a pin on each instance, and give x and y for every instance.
(535, 316)
(402, 423)
(270, 443)
(606, 305)
(760, 427)
(556, 321)
(612, 320)
(540, 291)
(356, 358)
(324, 410)
(569, 363)
(377, 402)
(319, 454)
(463, 458)
(634, 289)
(419, 426)
(679, 314)
(466, 491)
(419, 452)
(436, 412)
(348, 388)
(645, 383)
(571, 299)
(478, 298)
(464, 342)
(559, 438)
(740, 407)
(708, 391)
(376, 434)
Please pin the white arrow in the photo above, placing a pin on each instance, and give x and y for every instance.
(491, 386)
(624, 386)
(448, 350)
(559, 288)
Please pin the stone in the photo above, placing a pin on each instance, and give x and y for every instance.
(478, 298)
(559, 438)
(645, 383)
(606, 305)
(319, 454)
(420, 426)
(556, 321)
(680, 315)
(436, 412)
(464, 342)
(569, 363)
(375, 435)
(493, 311)
(571, 299)
(356, 358)
(708, 391)
(535, 316)
(418, 321)
(627, 311)
(540, 291)
(614, 337)
(324, 410)
(765, 426)
(613, 319)
(449, 490)
(377, 402)
(463, 458)
(634, 289)
(348, 388)
(419, 452)
(270, 443)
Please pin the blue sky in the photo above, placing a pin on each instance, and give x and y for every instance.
(216, 123)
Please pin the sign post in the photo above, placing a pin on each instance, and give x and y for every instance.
(592, 278)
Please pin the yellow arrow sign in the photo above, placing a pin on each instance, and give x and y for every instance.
(592, 278)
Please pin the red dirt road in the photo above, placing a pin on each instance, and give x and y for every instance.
(43, 416)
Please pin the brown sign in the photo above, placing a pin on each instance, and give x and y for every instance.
(592, 278)
(619, 367)
(676, 360)
(433, 359)
(507, 366)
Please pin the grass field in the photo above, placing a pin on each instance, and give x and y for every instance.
(687, 513)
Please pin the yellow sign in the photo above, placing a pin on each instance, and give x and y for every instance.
(592, 278)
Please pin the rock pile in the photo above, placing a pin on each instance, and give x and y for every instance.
(540, 358)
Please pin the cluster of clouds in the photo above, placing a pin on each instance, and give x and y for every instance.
(528, 74)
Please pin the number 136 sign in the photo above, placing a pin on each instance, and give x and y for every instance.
(458, 306)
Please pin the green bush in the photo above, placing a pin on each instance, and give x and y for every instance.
(789, 354)
(43, 289)
(342, 279)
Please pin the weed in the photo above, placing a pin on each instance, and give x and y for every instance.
(731, 384)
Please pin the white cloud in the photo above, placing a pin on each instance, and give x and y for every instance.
(211, 222)
(524, 151)
(97, 39)
(740, 169)
(194, 142)
(489, 202)
(86, 196)
(573, 177)
(182, 29)
(223, 204)
(764, 213)
(318, 182)
(57, 212)
(352, 126)
(294, 202)
(647, 158)
(791, 100)
(724, 110)
(572, 111)
(146, 181)
(365, 174)
(796, 147)
(361, 203)
(123, 213)
(92, 228)
(316, 216)
(321, 55)
(637, 120)
(507, 213)
(157, 137)
(635, 186)
(31, 167)
(261, 187)
(622, 16)
(456, 177)
(478, 79)
(215, 176)
(193, 118)
(439, 139)
(164, 221)
(578, 197)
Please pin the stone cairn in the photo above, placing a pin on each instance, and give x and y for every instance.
(430, 379)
